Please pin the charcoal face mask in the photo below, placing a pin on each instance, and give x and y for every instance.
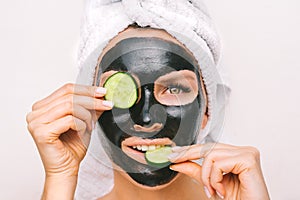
(148, 59)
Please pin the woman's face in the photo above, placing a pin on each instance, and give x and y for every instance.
(168, 110)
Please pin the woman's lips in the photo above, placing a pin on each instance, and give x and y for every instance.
(134, 141)
(135, 147)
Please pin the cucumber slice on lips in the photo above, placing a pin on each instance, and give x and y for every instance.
(158, 157)
(121, 90)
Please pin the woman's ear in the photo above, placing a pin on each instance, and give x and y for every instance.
(204, 121)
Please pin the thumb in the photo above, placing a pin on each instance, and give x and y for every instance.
(188, 168)
(194, 171)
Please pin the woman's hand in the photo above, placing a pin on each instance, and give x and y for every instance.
(61, 125)
(229, 171)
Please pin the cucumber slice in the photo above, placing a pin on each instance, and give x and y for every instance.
(121, 90)
(158, 157)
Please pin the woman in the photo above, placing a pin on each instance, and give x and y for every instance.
(173, 108)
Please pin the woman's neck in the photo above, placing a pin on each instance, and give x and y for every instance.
(183, 187)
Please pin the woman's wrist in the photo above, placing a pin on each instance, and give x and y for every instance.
(59, 187)
(254, 182)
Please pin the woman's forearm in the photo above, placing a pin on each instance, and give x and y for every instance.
(59, 188)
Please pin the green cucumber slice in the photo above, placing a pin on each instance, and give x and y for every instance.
(121, 90)
(158, 157)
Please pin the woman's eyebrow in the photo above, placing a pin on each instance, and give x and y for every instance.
(174, 78)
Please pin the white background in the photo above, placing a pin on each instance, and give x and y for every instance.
(261, 43)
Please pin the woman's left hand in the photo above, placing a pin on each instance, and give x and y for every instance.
(229, 171)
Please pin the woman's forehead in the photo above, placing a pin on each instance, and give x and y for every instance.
(158, 63)
(141, 32)
(136, 32)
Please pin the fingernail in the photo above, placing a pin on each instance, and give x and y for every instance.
(108, 103)
(207, 192)
(100, 90)
(221, 196)
(173, 156)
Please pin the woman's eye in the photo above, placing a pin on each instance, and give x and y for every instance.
(174, 90)
(177, 89)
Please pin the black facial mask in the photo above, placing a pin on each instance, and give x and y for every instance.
(148, 59)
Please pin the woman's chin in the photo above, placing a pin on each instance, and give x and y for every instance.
(150, 187)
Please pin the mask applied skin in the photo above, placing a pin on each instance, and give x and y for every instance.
(166, 108)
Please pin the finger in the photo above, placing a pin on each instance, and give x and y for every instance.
(206, 171)
(197, 151)
(66, 123)
(92, 103)
(96, 115)
(70, 88)
(50, 133)
(238, 165)
(84, 115)
(78, 138)
(188, 168)
(193, 152)
(61, 111)
(69, 101)
(216, 178)
(85, 138)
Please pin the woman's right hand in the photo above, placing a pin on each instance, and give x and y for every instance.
(60, 125)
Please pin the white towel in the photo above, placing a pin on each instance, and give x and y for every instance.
(186, 20)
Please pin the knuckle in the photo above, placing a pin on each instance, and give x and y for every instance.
(36, 133)
(80, 123)
(35, 106)
(89, 116)
(30, 128)
(64, 108)
(68, 87)
(68, 105)
(91, 90)
(253, 156)
(84, 127)
(254, 152)
(28, 117)
(69, 101)
(70, 120)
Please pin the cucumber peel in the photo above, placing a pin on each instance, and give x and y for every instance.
(158, 157)
(121, 90)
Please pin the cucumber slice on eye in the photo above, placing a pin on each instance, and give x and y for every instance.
(158, 157)
(121, 90)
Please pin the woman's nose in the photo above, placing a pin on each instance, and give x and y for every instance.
(148, 113)
(146, 108)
